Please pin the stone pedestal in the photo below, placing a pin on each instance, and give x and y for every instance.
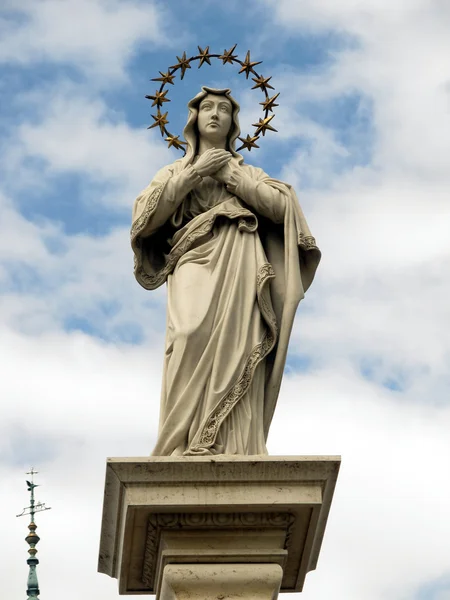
(214, 527)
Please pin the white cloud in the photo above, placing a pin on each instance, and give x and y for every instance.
(97, 37)
(91, 400)
(400, 61)
(112, 380)
(74, 132)
(380, 300)
(15, 229)
(71, 400)
(382, 290)
(89, 282)
(387, 515)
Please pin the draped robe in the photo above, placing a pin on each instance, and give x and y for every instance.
(237, 260)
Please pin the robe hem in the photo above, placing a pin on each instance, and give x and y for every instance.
(224, 407)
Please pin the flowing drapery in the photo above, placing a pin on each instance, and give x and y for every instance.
(237, 262)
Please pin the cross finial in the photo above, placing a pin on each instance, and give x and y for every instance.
(31, 485)
(32, 473)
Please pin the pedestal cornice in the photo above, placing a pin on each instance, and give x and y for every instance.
(224, 509)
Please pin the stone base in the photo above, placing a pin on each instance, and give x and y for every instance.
(224, 582)
(169, 523)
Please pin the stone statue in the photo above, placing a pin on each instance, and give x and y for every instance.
(237, 255)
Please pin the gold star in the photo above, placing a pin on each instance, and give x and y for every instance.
(228, 56)
(263, 125)
(247, 66)
(262, 82)
(204, 56)
(173, 140)
(249, 142)
(183, 64)
(269, 103)
(165, 77)
(160, 120)
(159, 98)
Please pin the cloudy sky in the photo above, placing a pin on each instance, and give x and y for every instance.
(364, 136)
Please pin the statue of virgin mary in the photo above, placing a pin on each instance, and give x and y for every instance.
(234, 248)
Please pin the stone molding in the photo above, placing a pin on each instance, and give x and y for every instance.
(215, 521)
(168, 510)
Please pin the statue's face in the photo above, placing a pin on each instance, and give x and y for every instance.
(214, 118)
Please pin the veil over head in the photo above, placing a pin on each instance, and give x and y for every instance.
(262, 264)
(191, 131)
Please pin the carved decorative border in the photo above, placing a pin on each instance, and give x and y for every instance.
(246, 222)
(240, 387)
(307, 242)
(160, 521)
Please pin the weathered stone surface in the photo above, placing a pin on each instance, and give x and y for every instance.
(163, 511)
(234, 247)
(224, 582)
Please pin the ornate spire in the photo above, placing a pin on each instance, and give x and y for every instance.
(32, 539)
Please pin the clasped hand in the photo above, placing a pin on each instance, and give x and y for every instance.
(215, 163)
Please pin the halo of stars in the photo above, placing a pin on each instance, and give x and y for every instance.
(204, 56)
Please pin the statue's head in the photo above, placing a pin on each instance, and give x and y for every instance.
(213, 114)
